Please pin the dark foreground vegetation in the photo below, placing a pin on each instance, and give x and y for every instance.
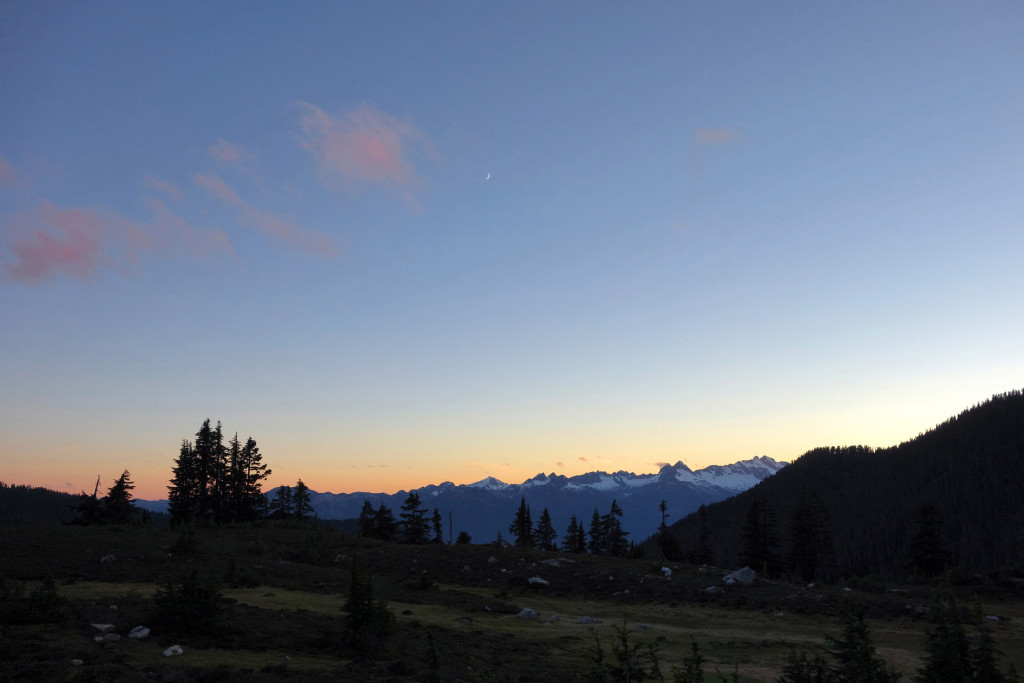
(272, 601)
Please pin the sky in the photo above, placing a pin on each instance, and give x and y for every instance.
(403, 243)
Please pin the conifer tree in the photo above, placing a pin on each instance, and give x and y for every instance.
(384, 523)
(544, 535)
(947, 650)
(522, 526)
(595, 535)
(118, 506)
(984, 655)
(412, 520)
(761, 537)
(183, 494)
(90, 508)
(812, 553)
(616, 544)
(252, 472)
(366, 520)
(435, 521)
(703, 552)
(301, 502)
(855, 653)
(282, 506)
(575, 540)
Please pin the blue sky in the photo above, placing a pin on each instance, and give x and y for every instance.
(401, 243)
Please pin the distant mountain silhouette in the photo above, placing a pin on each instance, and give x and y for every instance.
(970, 469)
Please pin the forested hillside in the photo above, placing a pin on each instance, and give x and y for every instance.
(958, 488)
(20, 504)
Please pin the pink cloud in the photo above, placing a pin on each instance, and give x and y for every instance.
(51, 242)
(582, 459)
(560, 464)
(226, 154)
(659, 465)
(364, 146)
(164, 186)
(282, 227)
(716, 135)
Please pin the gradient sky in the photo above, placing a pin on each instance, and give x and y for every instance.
(400, 243)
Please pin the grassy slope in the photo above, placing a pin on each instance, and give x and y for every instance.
(284, 616)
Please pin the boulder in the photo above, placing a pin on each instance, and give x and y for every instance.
(743, 576)
(173, 651)
(666, 572)
(526, 613)
(77, 662)
(537, 581)
(107, 559)
(139, 632)
(103, 628)
(714, 590)
(111, 637)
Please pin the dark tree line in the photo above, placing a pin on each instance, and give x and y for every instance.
(217, 483)
(117, 507)
(412, 526)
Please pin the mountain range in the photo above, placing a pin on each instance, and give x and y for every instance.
(486, 508)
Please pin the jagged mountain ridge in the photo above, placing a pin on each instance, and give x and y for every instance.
(485, 508)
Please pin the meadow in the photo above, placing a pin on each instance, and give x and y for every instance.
(279, 593)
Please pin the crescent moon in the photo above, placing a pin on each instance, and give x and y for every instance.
(488, 177)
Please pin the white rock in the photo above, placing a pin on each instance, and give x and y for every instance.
(139, 632)
(107, 559)
(745, 576)
(97, 639)
(537, 581)
(77, 662)
(103, 628)
(992, 617)
(111, 637)
(666, 572)
(526, 613)
(492, 560)
(173, 651)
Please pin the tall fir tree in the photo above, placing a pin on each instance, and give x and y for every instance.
(436, 523)
(596, 541)
(412, 520)
(118, 506)
(761, 538)
(365, 523)
(301, 502)
(575, 540)
(183, 493)
(384, 523)
(544, 535)
(522, 526)
(615, 542)
(282, 507)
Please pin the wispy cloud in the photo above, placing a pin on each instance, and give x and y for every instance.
(162, 185)
(175, 229)
(279, 226)
(51, 241)
(582, 459)
(659, 465)
(225, 154)
(560, 463)
(362, 147)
